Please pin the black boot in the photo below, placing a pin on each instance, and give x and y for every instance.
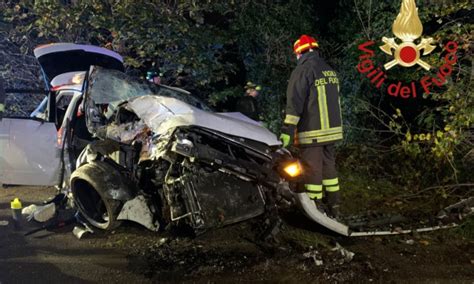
(333, 202)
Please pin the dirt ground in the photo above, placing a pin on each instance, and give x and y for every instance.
(231, 254)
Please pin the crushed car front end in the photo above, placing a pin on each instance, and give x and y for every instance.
(160, 161)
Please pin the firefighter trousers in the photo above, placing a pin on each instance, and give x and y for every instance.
(320, 172)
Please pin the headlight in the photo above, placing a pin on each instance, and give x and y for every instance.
(287, 166)
(293, 169)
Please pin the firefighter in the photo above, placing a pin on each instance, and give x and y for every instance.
(154, 77)
(313, 123)
(248, 104)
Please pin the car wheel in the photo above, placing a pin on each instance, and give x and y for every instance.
(90, 199)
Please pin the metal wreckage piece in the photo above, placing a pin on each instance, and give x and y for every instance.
(449, 217)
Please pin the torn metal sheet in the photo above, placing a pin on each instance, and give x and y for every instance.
(126, 132)
(137, 210)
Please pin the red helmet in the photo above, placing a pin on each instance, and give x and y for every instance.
(304, 43)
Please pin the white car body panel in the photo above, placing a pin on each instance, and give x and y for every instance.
(240, 116)
(28, 152)
(64, 47)
(310, 210)
(164, 113)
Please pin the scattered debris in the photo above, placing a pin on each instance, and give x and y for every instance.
(346, 254)
(84, 228)
(80, 231)
(410, 242)
(314, 254)
(53, 225)
(137, 210)
(40, 213)
(424, 242)
(272, 229)
(29, 210)
(457, 212)
(162, 241)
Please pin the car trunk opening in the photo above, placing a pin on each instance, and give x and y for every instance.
(60, 58)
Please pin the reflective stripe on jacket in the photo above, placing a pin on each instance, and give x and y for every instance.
(312, 101)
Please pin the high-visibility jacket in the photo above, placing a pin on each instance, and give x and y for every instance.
(313, 103)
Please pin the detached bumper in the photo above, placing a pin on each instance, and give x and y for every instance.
(310, 210)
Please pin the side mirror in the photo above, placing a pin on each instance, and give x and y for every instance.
(2, 99)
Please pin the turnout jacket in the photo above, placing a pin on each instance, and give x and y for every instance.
(312, 102)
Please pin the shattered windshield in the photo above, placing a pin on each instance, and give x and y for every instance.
(108, 86)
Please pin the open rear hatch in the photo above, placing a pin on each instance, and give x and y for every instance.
(60, 58)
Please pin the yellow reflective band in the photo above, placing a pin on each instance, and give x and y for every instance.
(322, 139)
(2, 107)
(291, 119)
(314, 187)
(333, 181)
(332, 188)
(296, 42)
(330, 138)
(304, 46)
(322, 132)
(315, 195)
(323, 107)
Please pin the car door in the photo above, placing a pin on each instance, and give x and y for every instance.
(28, 148)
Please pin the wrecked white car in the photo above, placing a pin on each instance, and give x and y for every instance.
(41, 148)
(160, 161)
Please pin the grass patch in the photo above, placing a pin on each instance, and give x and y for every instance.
(360, 193)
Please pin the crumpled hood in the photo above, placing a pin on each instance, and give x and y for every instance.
(164, 113)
